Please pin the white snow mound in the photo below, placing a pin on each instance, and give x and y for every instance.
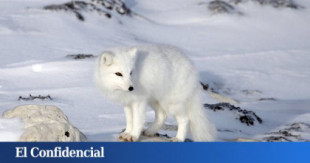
(44, 123)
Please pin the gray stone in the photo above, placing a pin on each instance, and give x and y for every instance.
(273, 3)
(218, 7)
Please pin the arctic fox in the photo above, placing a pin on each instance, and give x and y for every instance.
(158, 76)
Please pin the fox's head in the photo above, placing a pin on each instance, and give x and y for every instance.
(117, 68)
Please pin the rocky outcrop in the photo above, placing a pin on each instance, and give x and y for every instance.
(274, 3)
(220, 7)
(102, 7)
(244, 116)
(295, 132)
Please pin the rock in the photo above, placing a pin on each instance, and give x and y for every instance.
(117, 5)
(45, 123)
(80, 56)
(205, 86)
(267, 99)
(31, 98)
(251, 92)
(273, 3)
(102, 7)
(295, 132)
(244, 116)
(219, 7)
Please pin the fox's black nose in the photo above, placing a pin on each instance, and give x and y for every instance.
(130, 88)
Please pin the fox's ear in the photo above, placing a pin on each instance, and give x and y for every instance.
(133, 52)
(107, 58)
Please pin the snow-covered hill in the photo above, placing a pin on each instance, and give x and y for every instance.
(258, 56)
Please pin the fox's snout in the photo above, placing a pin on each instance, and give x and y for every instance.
(130, 88)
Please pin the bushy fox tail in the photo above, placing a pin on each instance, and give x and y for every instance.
(200, 127)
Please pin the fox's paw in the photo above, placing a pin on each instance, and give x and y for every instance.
(148, 133)
(125, 137)
(175, 139)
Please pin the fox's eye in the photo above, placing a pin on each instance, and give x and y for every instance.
(118, 74)
(131, 73)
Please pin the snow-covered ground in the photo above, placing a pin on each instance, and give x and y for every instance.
(262, 54)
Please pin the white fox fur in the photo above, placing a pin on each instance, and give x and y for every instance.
(158, 76)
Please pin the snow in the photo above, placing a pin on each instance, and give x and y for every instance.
(261, 54)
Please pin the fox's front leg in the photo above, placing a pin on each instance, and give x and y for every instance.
(138, 119)
(128, 114)
(138, 112)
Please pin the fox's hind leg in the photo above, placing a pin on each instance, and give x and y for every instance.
(180, 114)
(160, 118)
